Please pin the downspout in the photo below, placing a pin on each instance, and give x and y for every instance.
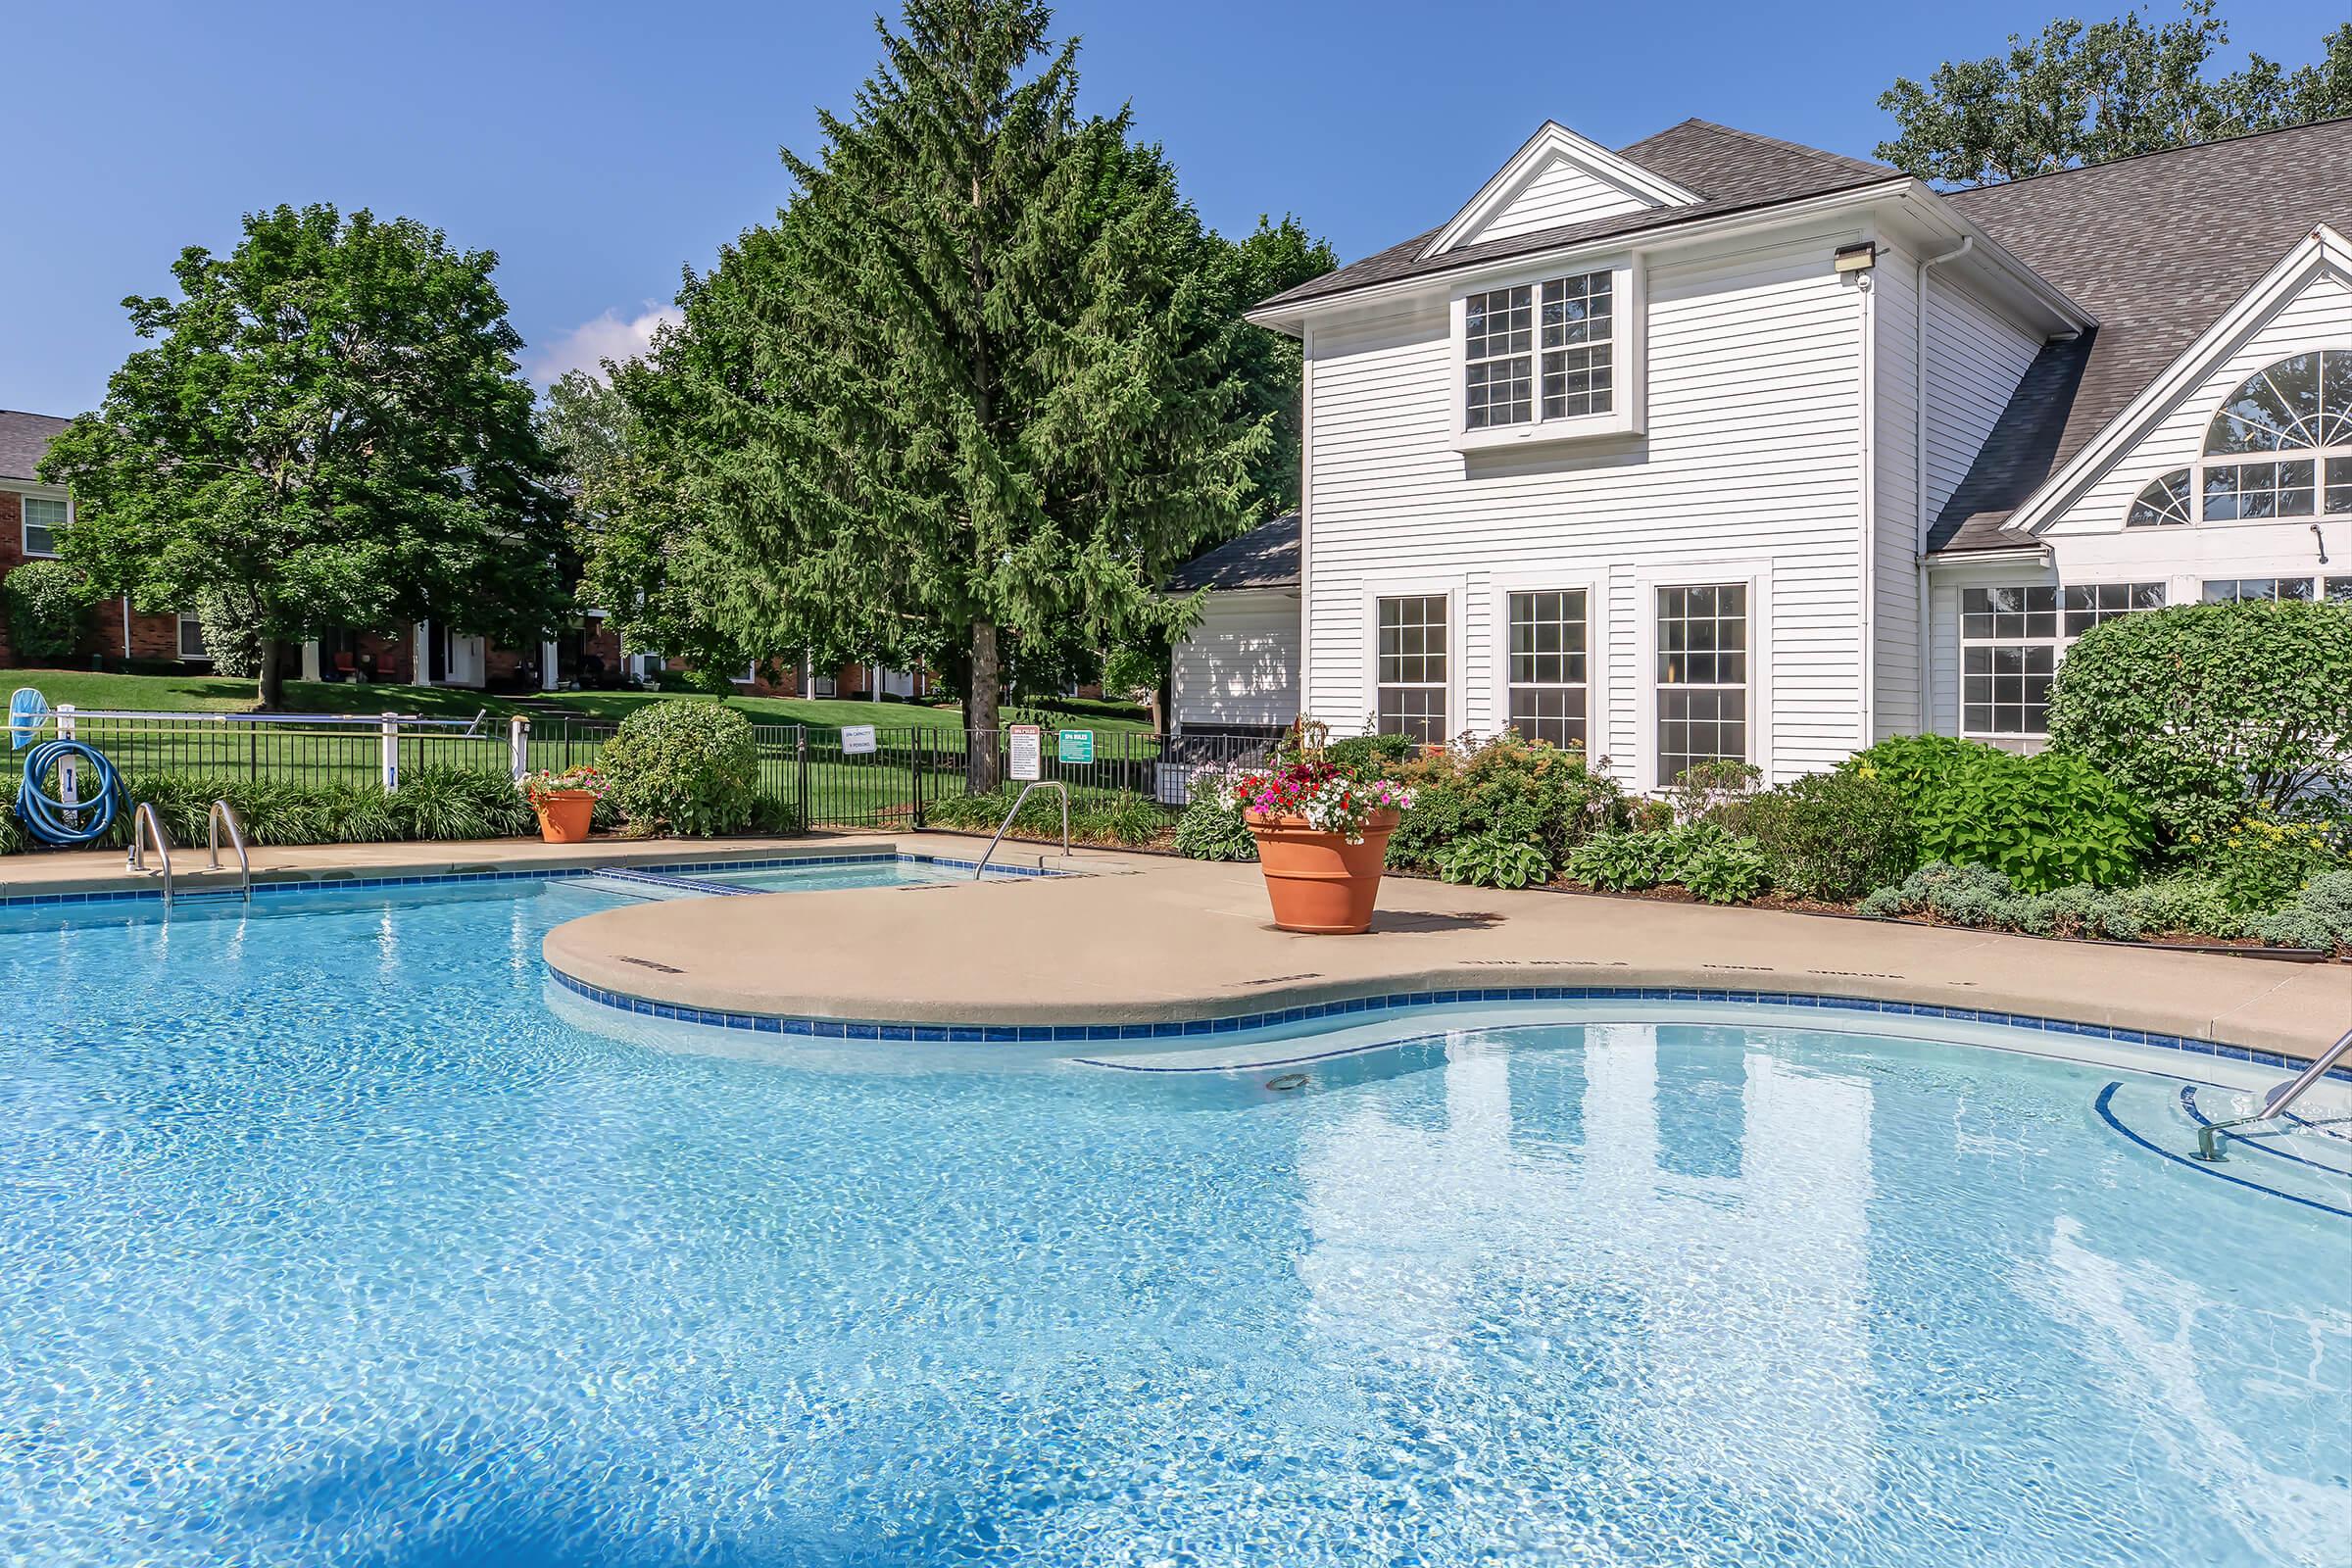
(1925, 694)
(1866, 586)
(127, 631)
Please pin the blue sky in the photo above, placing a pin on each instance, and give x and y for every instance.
(600, 148)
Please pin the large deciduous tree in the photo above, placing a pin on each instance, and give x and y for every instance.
(2089, 92)
(984, 379)
(330, 431)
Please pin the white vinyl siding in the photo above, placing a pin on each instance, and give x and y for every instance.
(1241, 665)
(1753, 445)
(1560, 194)
(1975, 357)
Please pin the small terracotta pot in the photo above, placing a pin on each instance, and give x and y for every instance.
(1319, 883)
(565, 816)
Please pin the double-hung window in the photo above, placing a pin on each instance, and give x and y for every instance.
(1548, 679)
(2011, 640)
(44, 519)
(1703, 676)
(1412, 667)
(1534, 352)
(191, 639)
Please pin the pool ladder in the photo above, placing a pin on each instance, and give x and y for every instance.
(2274, 1103)
(1019, 802)
(146, 828)
(147, 831)
(224, 815)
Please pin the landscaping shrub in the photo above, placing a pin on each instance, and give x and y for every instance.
(1494, 860)
(708, 682)
(431, 802)
(1981, 896)
(1705, 789)
(45, 600)
(1832, 837)
(2204, 710)
(438, 802)
(2261, 863)
(232, 640)
(1716, 864)
(1525, 789)
(2044, 822)
(1128, 819)
(1369, 755)
(2184, 905)
(771, 815)
(1211, 828)
(2318, 916)
(691, 767)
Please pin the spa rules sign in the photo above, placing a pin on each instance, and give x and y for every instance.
(1026, 749)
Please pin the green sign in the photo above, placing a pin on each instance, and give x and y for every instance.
(1077, 745)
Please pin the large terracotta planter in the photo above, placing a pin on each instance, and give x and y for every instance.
(1320, 883)
(565, 816)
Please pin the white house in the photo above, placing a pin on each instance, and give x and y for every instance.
(1720, 446)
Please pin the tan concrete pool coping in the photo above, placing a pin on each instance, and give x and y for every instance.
(1180, 940)
(97, 870)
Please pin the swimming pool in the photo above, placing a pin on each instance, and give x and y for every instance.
(327, 1242)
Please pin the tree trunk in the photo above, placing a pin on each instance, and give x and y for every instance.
(272, 676)
(980, 711)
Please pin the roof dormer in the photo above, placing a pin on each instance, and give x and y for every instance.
(1557, 179)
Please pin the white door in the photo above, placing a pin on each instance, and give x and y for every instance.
(466, 667)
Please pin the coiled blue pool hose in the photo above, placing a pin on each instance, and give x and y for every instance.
(45, 816)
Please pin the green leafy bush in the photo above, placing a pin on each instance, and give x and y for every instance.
(232, 640)
(1718, 865)
(1832, 837)
(431, 802)
(2044, 822)
(2204, 710)
(2261, 863)
(1128, 819)
(1525, 789)
(1211, 829)
(1371, 755)
(2184, 905)
(691, 767)
(700, 680)
(771, 815)
(2319, 916)
(1494, 860)
(45, 602)
(1703, 789)
(1980, 897)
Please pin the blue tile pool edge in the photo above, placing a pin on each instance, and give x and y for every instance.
(283, 887)
(1205, 1028)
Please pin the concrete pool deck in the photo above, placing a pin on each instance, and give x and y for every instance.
(1180, 939)
(101, 871)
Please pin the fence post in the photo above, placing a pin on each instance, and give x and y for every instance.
(519, 746)
(800, 751)
(68, 768)
(921, 754)
(391, 753)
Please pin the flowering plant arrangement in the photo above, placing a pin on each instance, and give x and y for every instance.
(584, 779)
(1330, 798)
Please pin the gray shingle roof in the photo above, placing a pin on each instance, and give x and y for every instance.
(23, 437)
(1267, 556)
(2157, 247)
(1733, 170)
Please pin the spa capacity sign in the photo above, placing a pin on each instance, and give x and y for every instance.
(1077, 745)
(1026, 746)
(856, 740)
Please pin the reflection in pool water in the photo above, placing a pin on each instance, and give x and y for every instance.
(327, 1243)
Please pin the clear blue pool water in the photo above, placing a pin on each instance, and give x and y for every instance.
(325, 1243)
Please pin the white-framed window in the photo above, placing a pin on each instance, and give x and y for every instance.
(44, 517)
(1547, 679)
(1413, 666)
(2011, 639)
(2165, 502)
(1703, 676)
(2281, 445)
(191, 639)
(1540, 351)
(2277, 590)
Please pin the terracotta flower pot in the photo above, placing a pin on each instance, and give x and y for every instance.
(565, 816)
(1320, 883)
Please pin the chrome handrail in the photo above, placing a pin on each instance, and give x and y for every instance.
(1017, 801)
(223, 815)
(147, 827)
(2275, 1103)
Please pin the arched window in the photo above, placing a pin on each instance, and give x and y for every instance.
(2267, 451)
(2162, 503)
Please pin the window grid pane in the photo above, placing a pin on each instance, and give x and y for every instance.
(44, 519)
(2011, 640)
(1499, 333)
(1412, 668)
(1701, 676)
(1554, 340)
(1548, 666)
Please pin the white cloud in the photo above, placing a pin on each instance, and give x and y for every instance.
(588, 345)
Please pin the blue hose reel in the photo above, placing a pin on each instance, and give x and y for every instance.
(49, 817)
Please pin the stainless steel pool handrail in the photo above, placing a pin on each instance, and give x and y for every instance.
(1018, 802)
(2275, 1104)
(147, 827)
(223, 815)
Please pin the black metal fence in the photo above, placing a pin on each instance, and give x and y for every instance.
(827, 777)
